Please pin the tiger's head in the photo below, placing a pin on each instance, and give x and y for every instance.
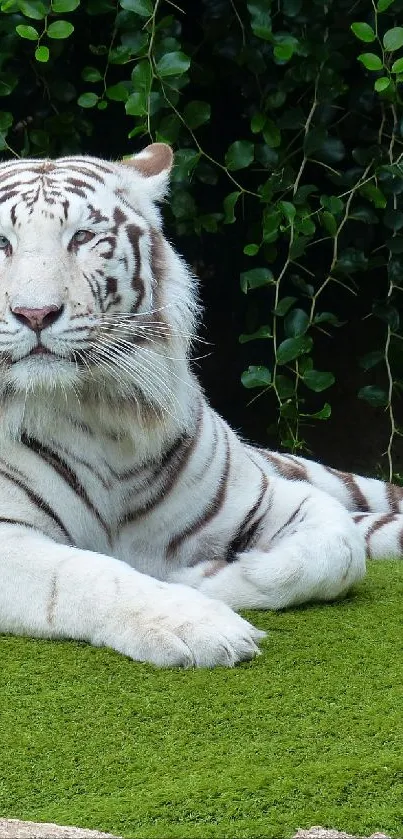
(91, 294)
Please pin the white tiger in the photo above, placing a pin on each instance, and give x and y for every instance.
(131, 515)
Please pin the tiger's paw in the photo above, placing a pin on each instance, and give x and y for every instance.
(183, 628)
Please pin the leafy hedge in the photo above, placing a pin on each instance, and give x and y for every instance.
(287, 119)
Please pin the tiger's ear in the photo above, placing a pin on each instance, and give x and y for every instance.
(154, 163)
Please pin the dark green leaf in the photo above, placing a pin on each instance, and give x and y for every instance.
(142, 76)
(314, 140)
(323, 414)
(251, 250)
(185, 162)
(98, 49)
(60, 29)
(382, 84)
(196, 113)
(370, 61)
(262, 332)
(183, 205)
(364, 213)
(351, 260)
(257, 122)
(136, 104)
(376, 396)
(120, 55)
(331, 150)
(169, 129)
(91, 74)
(87, 100)
(284, 386)
(271, 134)
(143, 8)
(117, 92)
(229, 207)
(393, 39)
(284, 305)
(256, 376)
(296, 323)
(271, 223)
(371, 359)
(326, 317)
(397, 66)
(173, 64)
(260, 19)
(283, 52)
(287, 209)
(364, 32)
(239, 155)
(298, 246)
(39, 138)
(374, 194)
(382, 5)
(332, 203)
(255, 278)
(6, 121)
(28, 32)
(329, 223)
(42, 54)
(388, 314)
(304, 192)
(61, 6)
(306, 225)
(318, 380)
(33, 8)
(292, 348)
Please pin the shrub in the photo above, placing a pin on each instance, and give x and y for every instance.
(287, 120)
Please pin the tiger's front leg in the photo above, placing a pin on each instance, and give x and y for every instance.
(51, 590)
(306, 547)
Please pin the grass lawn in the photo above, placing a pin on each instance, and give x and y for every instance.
(309, 733)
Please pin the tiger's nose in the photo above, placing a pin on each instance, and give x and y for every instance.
(37, 319)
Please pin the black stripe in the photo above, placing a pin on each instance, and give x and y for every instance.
(290, 520)
(39, 502)
(63, 470)
(387, 518)
(395, 497)
(247, 530)
(169, 469)
(214, 506)
(82, 462)
(18, 522)
(133, 234)
(357, 496)
(291, 471)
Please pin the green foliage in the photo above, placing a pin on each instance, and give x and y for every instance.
(287, 121)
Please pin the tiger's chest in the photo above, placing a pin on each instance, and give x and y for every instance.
(172, 511)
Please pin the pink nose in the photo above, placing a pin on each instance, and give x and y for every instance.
(37, 319)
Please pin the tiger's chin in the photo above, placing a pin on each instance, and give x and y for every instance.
(42, 371)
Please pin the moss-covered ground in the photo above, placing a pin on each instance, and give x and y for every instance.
(309, 733)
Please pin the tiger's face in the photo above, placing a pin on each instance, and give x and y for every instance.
(80, 253)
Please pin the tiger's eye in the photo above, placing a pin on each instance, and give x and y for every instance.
(82, 236)
(5, 243)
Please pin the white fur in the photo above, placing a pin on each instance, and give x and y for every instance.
(165, 486)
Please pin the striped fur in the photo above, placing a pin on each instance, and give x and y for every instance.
(131, 515)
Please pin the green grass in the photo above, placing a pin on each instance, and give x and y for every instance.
(309, 733)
